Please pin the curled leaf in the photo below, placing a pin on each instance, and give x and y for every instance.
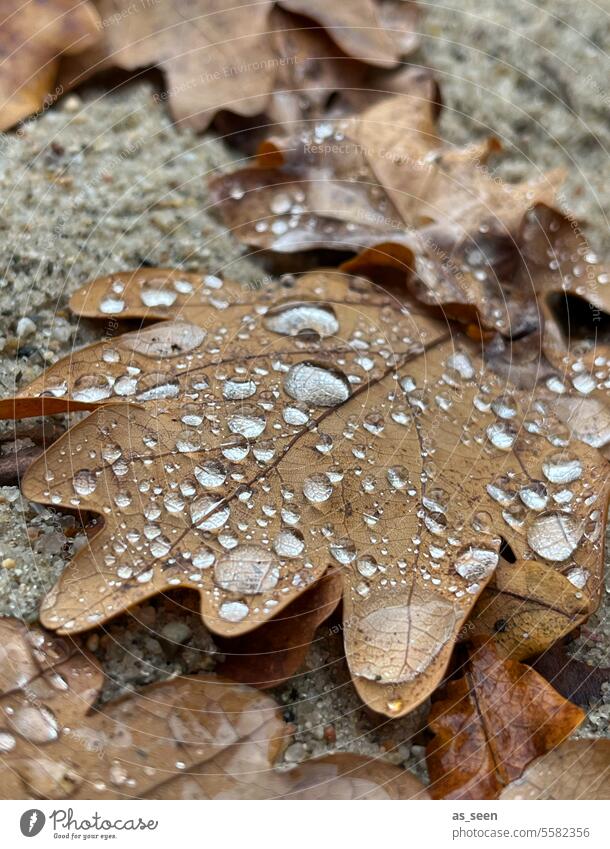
(491, 723)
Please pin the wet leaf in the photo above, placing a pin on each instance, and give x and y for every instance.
(248, 59)
(34, 34)
(274, 652)
(490, 724)
(578, 769)
(383, 184)
(578, 681)
(528, 606)
(272, 434)
(189, 738)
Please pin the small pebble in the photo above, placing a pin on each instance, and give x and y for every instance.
(25, 327)
(72, 103)
(176, 632)
(9, 563)
(295, 754)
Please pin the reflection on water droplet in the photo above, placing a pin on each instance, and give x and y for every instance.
(315, 384)
(84, 482)
(156, 296)
(36, 724)
(502, 435)
(208, 515)
(112, 306)
(555, 536)
(92, 387)
(562, 468)
(233, 611)
(475, 564)
(289, 543)
(343, 550)
(534, 495)
(203, 558)
(211, 474)
(297, 318)
(249, 422)
(317, 488)
(238, 390)
(247, 569)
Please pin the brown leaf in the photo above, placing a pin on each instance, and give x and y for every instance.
(578, 769)
(275, 651)
(491, 723)
(247, 59)
(359, 27)
(577, 681)
(272, 434)
(385, 185)
(527, 606)
(189, 738)
(33, 36)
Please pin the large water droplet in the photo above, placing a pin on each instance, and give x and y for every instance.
(289, 543)
(84, 482)
(555, 536)
(317, 488)
(236, 389)
(233, 611)
(249, 422)
(316, 384)
(561, 468)
(248, 569)
(209, 514)
(293, 319)
(476, 563)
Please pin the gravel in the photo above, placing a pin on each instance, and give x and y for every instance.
(104, 182)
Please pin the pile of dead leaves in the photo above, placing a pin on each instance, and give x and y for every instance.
(414, 438)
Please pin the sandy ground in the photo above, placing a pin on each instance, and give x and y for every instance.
(104, 182)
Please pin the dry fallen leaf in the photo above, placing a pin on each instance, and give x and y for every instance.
(274, 652)
(34, 34)
(385, 185)
(271, 434)
(527, 606)
(491, 723)
(248, 59)
(189, 738)
(578, 769)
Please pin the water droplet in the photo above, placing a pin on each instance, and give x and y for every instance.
(502, 435)
(289, 543)
(233, 611)
(84, 482)
(236, 389)
(249, 422)
(36, 724)
(297, 318)
(91, 388)
(203, 558)
(343, 550)
(247, 569)
(211, 474)
(315, 384)
(475, 564)
(562, 468)
(209, 514)
(317, 488)
(534, 495)
(157, 296)
(555, 536)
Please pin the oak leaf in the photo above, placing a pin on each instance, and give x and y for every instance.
(491, 723)
(577, 769)
(189, 738)
(34, 34)
(269, 434)
(249, 59)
